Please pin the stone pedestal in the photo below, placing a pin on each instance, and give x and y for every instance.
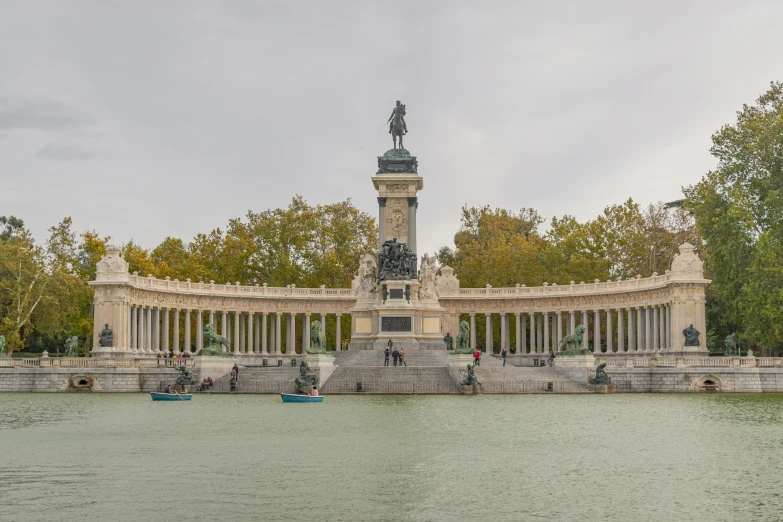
(461, 359)
(605, 388)
(474, 389)
(574, 361)
(323, 362)
(108, 352)
(209, 366)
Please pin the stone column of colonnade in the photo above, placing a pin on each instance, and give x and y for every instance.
(641, 329)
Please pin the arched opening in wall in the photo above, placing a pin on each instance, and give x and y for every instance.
(708, 383)
(80, 383)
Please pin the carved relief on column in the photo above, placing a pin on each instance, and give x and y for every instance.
(397, 219)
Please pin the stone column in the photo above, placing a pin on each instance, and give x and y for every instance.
(241, 332)
(224, 325)
(631, 332)
(620, 332)
(148, 330)
(251, 338)
(571, 322)
(257, 330)
(488, 349)
(648, 329)
(662, 327)
(519, 336)
(186, 348)
(502, 331)
(596, 331)
(668, 335)
(473, 332)
(413, 203)
(306, 333)
(587, 330)
(533, 342)
(609, 332)
(556, 348)
(199, 331)
(134, 334)
(212, 319)
(656, 332)
(140, 330)
(156, 330)
(323, 325)
(236, 333)
(176, 330)
(272, 335)
(290, 335)
(639, 330)
(264, 333)
(381, 221)
(545, 319)
(165, 340)
(278, 335)
(337, 341)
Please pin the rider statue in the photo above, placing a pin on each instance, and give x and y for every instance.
(399, 110)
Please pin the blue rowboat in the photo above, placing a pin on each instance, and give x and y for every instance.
(160, 396)
(292, 397)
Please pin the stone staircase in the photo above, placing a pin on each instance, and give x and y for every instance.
(433, 371)
(399, 380)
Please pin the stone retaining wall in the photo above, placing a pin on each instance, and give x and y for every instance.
(53, 379)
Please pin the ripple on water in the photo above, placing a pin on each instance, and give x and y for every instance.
(410, 458)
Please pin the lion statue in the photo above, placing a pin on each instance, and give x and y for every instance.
(463, 339)
(213, 343)
(317, 340)
(70, 347)
(573, 343)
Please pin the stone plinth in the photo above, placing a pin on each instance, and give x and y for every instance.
(605, 388)
(461, 359)
(109, 352)
(210, 366)
(324, 362)
(473, 389)
(574, 361)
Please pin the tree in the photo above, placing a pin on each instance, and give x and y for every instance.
(738, 209)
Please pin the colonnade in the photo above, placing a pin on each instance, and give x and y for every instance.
(248, 333)
(616, 330)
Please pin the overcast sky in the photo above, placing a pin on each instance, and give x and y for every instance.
(146, 119)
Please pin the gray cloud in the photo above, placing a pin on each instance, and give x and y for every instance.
(64, 152)
(510, 104)
(39, 114)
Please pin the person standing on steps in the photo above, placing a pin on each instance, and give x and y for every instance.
(476, 357)
(386, 355)
(503, 355)
(551, 358)
(395, 356)
(402, 357)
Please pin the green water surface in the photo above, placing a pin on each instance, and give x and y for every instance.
(104, 457)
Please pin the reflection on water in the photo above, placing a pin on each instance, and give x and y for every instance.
(563, 457)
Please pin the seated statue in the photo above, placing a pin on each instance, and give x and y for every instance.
(305, 379)
(471, 379)
(184, 378)
(213, 343)
(106, 337)
(463, 339)
(317, 340)
(600, 376)
(691, 336)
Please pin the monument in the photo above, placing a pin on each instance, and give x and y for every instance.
(396, 298)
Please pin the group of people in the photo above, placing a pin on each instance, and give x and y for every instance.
(398, 356)
(206, 384)
(172, 358)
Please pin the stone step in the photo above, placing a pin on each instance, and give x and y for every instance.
(379, 379)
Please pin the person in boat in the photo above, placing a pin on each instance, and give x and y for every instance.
(168, 389)
(314, 391)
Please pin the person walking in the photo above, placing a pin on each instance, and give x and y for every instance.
(551, 358)
(386, 356)
(476, 358)
(402, 357)
(395, 356)
(503, 355)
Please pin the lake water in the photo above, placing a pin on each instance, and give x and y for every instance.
(409, 458)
